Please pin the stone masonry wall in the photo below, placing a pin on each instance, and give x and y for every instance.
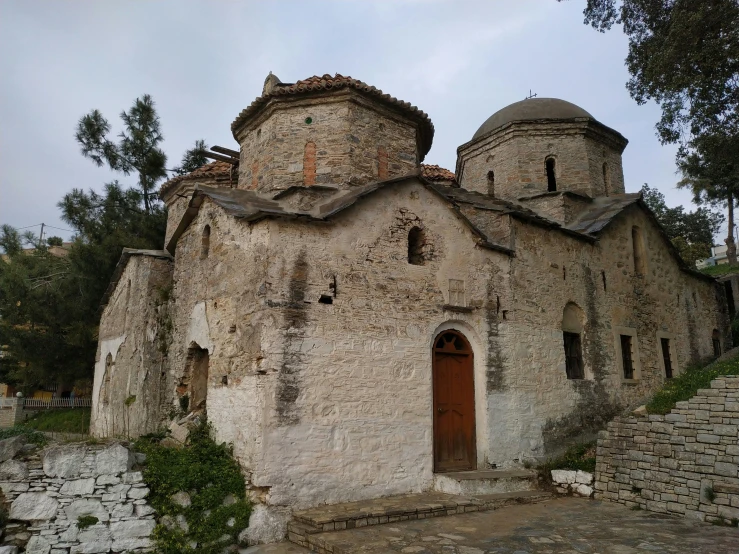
(127, 389)
(48, 491)
(684, 463)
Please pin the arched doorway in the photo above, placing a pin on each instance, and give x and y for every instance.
(455, 448)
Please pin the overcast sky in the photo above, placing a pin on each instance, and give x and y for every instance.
(205, 60)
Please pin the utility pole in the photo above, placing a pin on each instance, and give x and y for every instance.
(41, 236)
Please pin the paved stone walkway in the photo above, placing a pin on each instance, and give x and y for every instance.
(560, 526)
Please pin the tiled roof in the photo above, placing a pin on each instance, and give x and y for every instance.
(325, 83)
(436, 173)
(217, 171)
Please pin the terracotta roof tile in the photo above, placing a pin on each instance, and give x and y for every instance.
(436, 173)
(317, 84)
(218, 171)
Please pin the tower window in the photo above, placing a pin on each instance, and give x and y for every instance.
(491, 182)
(205, 242)
(665, 343)
(627, 357)
(416, 245)
(551, 177)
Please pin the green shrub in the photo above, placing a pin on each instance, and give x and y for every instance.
(686, 385)
(580, 456)
(73, 420)
(208, 473)
(32, 435)
(83, 522)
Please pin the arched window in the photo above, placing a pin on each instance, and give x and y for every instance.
(716, 341)
(205, 242)
(309, 164)
(416, 244)
(572, 326)
(491, 182)
(606, 179)
(551, 177)
(105, 387)
(637, 243)
(382, 174)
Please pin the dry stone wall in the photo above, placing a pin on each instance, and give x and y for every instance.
(685, 462)
(48, 491)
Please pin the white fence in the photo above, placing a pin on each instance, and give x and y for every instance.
(45, 403)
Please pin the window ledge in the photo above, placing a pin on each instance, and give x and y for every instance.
(457, 309)
(630, 381)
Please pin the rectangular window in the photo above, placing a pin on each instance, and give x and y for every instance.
(456, 292)
(666, 357)
(573, 356)
(626, 357)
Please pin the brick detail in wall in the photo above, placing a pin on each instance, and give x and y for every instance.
(382, 173)
(309, 164)
(675, 463)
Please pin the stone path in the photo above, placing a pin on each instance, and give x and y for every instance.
(560, 526)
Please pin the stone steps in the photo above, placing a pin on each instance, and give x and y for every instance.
(307, 525)
(489, 481)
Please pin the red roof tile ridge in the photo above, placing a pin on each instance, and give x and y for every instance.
(434, 172)
(210, 170)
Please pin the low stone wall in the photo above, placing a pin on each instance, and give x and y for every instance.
(46, 492)
(574, 482)
(685, 462)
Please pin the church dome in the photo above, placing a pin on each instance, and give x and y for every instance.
(531, 109)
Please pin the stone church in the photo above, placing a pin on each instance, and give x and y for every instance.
(357, 323)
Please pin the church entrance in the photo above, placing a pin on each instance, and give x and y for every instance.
(454, 404)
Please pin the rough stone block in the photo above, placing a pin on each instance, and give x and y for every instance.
(564, 476)
(78, 487)
(38, 545)
(10, 447)
(13, 470)
(132, 529)
(63, 461)
(86, 507)
(33, 506)
(583, 477)
(114, 460)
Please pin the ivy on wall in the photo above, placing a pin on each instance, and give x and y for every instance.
(198, 492)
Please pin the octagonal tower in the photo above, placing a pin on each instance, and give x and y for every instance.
(327, 131)
(540, 146)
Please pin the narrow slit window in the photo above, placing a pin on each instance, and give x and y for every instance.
(205, 243)
(666, 357)
(105, 389)
(573, 356)
(626, 357)
(716, 341)
(551, 177)
(606, 180)
(416, 243)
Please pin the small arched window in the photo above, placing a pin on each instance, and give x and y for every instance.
(637, 243)
(491, 182)
(105, 387)
(606, 179)
(551, 176)
(205, 242)
(416, 246)
(572, 326)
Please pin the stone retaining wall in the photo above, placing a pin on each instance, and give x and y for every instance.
(46, 492)
(685, 462)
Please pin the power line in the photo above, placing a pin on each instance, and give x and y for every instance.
(45, 225)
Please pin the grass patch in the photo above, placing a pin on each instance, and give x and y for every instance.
(686, 385)
(32, 435)
(75, 420)
(212, 478)
(579, 456)
(719, 270)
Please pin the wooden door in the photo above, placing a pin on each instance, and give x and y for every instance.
(454, 404)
